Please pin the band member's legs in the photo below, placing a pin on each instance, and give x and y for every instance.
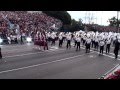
(102, 49)
(108, 48)
(59, 43)
(67, 44)
(79, 45)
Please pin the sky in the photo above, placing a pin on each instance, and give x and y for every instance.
(99, 17)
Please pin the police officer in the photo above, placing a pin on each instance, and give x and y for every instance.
(117, 46)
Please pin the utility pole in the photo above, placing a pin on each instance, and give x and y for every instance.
(89, 17)
(85, 16)
(117, 21)
(101, 17)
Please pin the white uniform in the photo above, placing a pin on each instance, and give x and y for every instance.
(96, 39)
(88, 41)
(78, 39)
(53, 35)
(60, 37)
(102, 43)
(108, 41)
(69, 37)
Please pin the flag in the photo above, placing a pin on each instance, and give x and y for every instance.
(10, 24)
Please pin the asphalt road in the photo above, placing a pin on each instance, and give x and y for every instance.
(26, 62)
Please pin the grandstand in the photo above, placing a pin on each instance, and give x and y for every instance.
(17, 23)
(27, 21)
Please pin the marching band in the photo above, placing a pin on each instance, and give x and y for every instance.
(99, 41)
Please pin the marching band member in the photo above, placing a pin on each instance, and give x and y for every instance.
(84, 38)
(93, 40)
(60, 39)
(117, 47)
(75, 41)
(78, 40)
(101, 44)
(69, 37)
(53, 36)
(48, 37)
(108, 43)
(87, 44)
(96, 43)
(44, 41)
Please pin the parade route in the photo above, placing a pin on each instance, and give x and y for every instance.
(55, 63)
(55, 45)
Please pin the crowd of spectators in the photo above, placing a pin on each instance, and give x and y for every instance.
(25, 22)
(28, 21)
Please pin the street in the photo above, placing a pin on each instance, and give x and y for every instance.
(26, 62)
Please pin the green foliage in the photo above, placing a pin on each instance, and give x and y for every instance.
(75, 26)
(62, 15)
(113, 21)
(68, 24)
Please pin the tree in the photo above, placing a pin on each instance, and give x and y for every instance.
(62, 15)
(113, 21)
(76, 25)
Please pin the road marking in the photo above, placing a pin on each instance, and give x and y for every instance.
(95, 51)
(31, 53)
(103, 54)
(108, 72)
(17, 49)
(3, 46)
(31, 66)
(111, 69)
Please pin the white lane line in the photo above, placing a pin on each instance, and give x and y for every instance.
(103, 51)
(16, 50)
(108, 72)
(31, 66)
(50, 50)
(103, 54)
(24, 49)
(32, 53)
(3, 46)
(111, 69)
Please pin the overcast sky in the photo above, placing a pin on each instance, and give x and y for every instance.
(99, 17)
